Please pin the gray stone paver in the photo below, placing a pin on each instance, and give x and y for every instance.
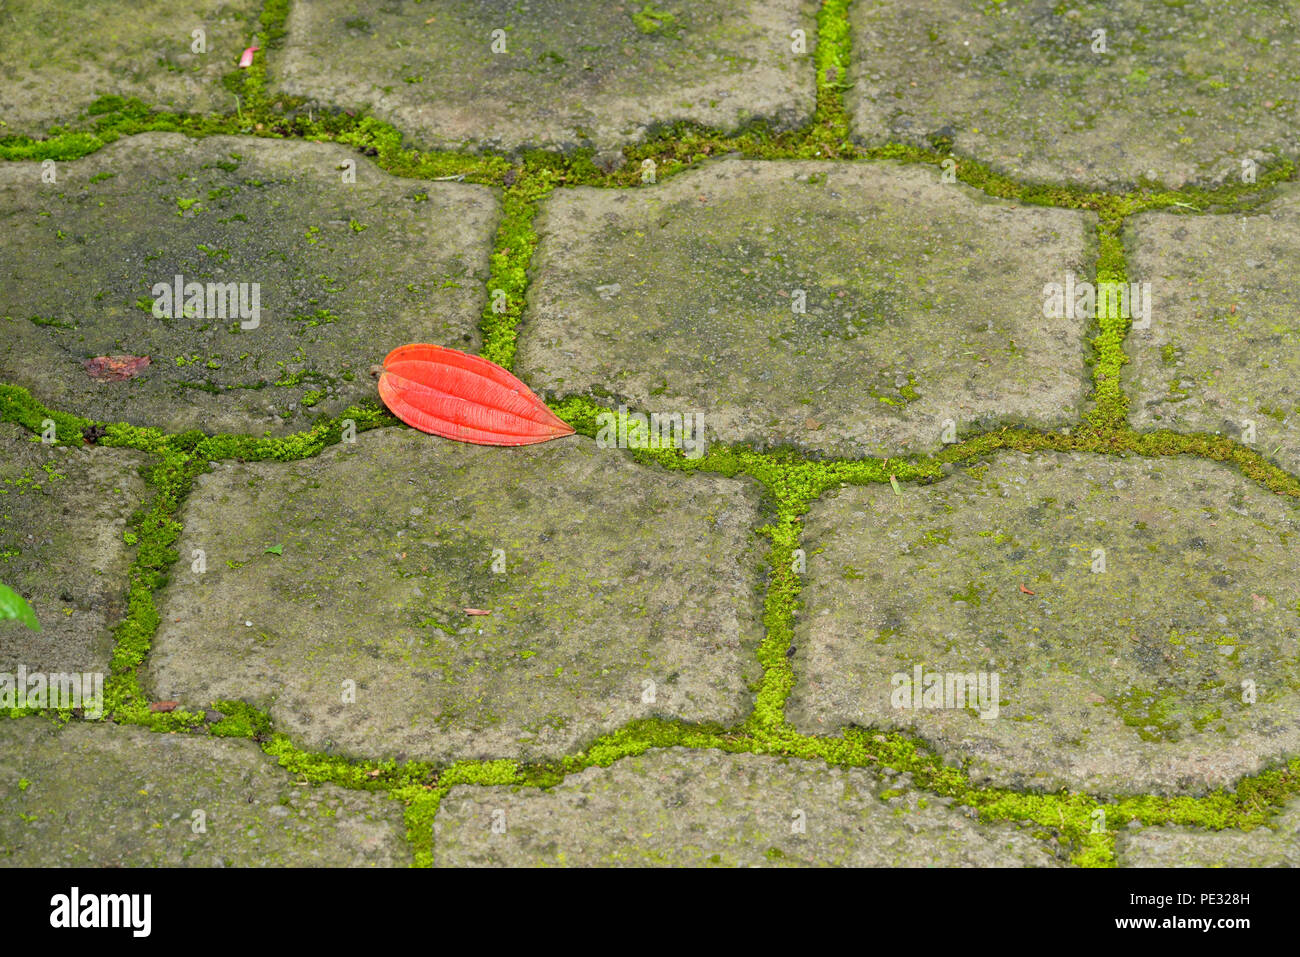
(1126, 680)
(704, 808)
(615, 575)
(345, 272)
(56, 59)
(1221, 350)
(923, 304)
(1186, 91)
(140, 811)
(63, 517)
(1277, 845)
(578, 74)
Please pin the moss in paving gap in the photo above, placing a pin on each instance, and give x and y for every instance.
(515, 241)
(249, 83)
(830, 126)
(18, 406)
(1110, 409)
(792, 481)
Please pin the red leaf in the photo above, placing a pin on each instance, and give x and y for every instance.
(115, 368)
(157, 706)
(464, 397)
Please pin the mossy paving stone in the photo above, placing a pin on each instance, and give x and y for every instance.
(100, 795)
(615, 575)
(1223, 347)
(346, 273)
(1186, 90)
(57, 57)
(699, 808)
(1128, 680)
(1276, 845)
(923, 304)
(584, 73)
(63, 515)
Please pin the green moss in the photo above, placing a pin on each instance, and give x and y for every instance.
(651, 20)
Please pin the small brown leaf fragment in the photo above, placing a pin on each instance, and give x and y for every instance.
(478, 611)
(157, 706)
(115, 368)
(811, 423)
(1024, 589)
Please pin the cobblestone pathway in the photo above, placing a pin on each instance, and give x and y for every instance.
(965, 558)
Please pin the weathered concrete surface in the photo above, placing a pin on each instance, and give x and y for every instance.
(1184, 93)
(1277, 845)
(346, 272)
(1223, 348)
(923, 304)
(580, 74)
(616, 575)
(58, 56)
(1127, 680)
(93, 795)
(699, 808)
(63, 515)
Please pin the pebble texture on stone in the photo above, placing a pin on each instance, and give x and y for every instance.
(584, 73)
(342, 272)
(1220, 354)
(64, 548)
(57, 60)
(1100, 93)
(705, 808)
(625, 592)
(843, 308)
(161, 800)
(1126, 607)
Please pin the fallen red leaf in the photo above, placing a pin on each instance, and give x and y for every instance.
(1025, 590)
(163, 705)
(463, 397)
(477, 611)
(115, 368)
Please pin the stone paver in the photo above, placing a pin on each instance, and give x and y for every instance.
(615, 575)
(63, 517)
(140, 811)
(57, 59)
(578, 74)
(1123, 680)
(923, 304)
(1221, 350)
(1184, 91)
(345, 272)
(700, 808)
(1277, 845)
